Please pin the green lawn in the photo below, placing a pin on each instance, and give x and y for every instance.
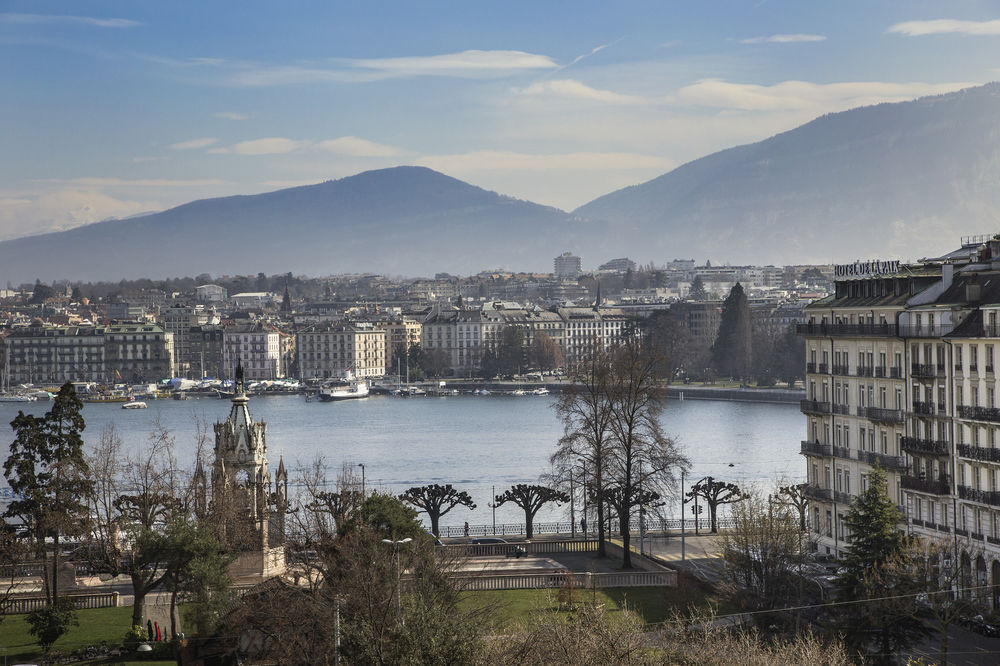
(97, 624)
(652, 604)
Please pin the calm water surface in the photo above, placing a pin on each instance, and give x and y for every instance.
(472, 442)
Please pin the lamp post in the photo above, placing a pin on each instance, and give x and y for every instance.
(493, 505)
(395, 547)
(362, 466)
(572, 507)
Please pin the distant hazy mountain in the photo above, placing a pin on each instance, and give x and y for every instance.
(895, 180)
(406, 220)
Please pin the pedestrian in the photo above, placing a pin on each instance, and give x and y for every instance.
(583, 525)
(466, 528)
(149, 628)
(156, 626)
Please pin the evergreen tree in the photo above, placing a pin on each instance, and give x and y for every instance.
(732, 351)
(880, 618)
(697, 292)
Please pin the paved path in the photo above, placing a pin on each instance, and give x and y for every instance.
(701, 555)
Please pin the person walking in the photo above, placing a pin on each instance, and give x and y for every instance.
(583, 525)
(466, 528)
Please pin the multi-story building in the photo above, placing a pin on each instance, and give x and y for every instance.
(586, 329)
(341, 350)
(567, 265)
(259, 348)
(901, 373)
(205, 350)
(402, 332)
(179, 320)
(52, 355)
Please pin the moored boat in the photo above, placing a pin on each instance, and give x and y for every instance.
(134, 404)
(351, 391)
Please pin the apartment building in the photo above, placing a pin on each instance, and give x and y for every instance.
(257, 346)
(901, 372)
(180, 320)
(341, 350)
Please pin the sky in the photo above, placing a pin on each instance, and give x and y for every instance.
(112, 109)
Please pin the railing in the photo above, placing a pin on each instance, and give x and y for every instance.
(17, 605)
(977, 535)
(533, 547)
(895, 373)
(817, 493)
(883, 460)
(823, 369)
(811, 368)
(935, 447)
(940, 487)
(848, 330)
(990, 497)
(884, 415)
(814, 406)
(865, 371)
(842, 452)
(841, 497)
(926, 408)
(518, 529)
(557, 580)
(923, 331)
(816, 449)
(843, 370)
(842, 409)
(880, 371)
(926, 371)
(991, 414)
(979, 453)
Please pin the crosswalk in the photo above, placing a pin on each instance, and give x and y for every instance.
(676, 557)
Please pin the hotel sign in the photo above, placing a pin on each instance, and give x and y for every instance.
(864, 269)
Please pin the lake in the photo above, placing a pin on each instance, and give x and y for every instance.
(472, 442)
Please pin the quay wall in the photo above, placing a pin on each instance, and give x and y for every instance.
(675, 392)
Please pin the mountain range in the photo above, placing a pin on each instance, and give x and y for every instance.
(899, 180)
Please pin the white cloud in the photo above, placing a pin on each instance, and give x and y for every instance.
(138, 182)
(193, 144)
(80, 20)
(355, 147)
(570, 88)
(946, 26)
(805, 95)
(230, 115)
(784, 39)
(487, 160)
(268, 146)
(63, 209)
(466, 64)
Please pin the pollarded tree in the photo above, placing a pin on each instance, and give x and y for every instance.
(795, 495)
(530, 498)
(47, 471)
(436, 500)
(715, 493)
(732, 351)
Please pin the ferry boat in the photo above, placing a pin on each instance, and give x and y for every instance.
(350, 391)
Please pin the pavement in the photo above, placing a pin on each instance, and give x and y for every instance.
(700, 555)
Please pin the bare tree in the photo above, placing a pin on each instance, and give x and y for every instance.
(436, 500)
(795, 495)
(715, 493)
(642, 458)
(530, 498)
(584, 450)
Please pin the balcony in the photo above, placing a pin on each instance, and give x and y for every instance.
(897, 463)
(882, 415)
(814, 407)
(991, 414)
(816, 449)
(895, 373)
(847, 330)
(933, 447)
(841, 452)
(841, 498)
(842, 370)
(865, 371)
(817, 493)
(842, 409)
(979, 453)
(990, 497)
(880, 371)
(923, 408)
(926, 371)
(811, 368)
(939, 487)
(922, 331)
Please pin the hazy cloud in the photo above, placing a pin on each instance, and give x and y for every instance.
(352, 145)
(784, 39)
(946, 26)
(268, 146)
(138, 182)
(485, 160)
(230, 115)
(81, 20)
(466, 64)
(791, 95)
(63, 209)
(193, 144)
(573, 89)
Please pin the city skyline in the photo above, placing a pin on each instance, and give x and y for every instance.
(114, 110)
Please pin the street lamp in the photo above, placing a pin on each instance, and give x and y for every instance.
(493, 505)
(395, 547)
(362, 466)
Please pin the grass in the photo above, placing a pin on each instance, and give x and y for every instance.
(652, 604)
(96, 624)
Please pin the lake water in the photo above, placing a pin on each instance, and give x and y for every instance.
(472, 442)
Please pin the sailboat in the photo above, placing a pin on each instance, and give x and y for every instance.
(7, 396)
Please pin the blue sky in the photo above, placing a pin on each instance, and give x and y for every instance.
(116, 108)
